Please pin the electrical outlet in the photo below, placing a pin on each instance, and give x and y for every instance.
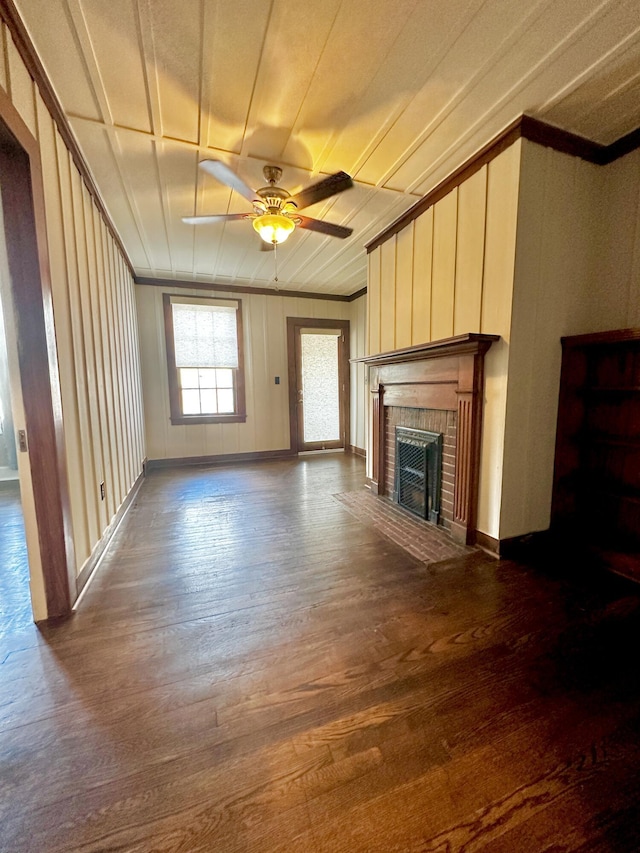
(102, 490)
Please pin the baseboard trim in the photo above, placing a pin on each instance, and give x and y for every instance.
(221, 459)
(372, 486)
(487, 543)
(98, 552)
(357, 451)
(512, 547)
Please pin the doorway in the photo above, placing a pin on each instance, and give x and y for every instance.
(319, 391)
(15, 602)
(35, 393)
(8, 452)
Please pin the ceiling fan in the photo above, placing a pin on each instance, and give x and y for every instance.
(275, 211)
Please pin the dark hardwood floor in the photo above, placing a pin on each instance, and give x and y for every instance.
(254, 669)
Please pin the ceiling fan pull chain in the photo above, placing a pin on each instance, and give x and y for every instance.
(275, 258)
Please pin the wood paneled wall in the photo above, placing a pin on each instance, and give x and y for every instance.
(444, 273)
(449, 272)
(577, 271)
(619, 271)
(265, 338)
(96, 330)
(536, 245)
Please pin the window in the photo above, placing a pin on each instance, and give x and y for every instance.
(204, 359)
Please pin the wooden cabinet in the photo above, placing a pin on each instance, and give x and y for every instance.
(597, 464)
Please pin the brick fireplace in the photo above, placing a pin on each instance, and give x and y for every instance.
(434, 421)
(437, 387)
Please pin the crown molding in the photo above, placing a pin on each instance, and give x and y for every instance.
(236, 288)
(524, 127)
(357, 294)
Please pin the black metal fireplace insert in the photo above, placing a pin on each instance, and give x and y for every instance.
(418, 471)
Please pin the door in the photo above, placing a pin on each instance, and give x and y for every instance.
(318, 383)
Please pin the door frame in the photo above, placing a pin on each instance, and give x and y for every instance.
(21, 185)
(294, 325)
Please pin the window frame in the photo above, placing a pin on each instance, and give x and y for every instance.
(177, 417)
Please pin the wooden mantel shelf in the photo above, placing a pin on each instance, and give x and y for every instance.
(448, 375)
(468, 344)
(616, 336)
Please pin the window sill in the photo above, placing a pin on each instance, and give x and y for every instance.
(208, 419)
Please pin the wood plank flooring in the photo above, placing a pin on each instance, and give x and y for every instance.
(254, 669)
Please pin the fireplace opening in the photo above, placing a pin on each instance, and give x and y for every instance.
(418, 472)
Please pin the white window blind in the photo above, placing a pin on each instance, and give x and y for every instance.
(205, 335)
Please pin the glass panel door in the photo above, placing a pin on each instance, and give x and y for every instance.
(320, 387)
(318, 356)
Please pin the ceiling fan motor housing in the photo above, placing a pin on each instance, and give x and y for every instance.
(274, 199)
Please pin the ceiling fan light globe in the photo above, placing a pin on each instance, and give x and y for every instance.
(273, 227)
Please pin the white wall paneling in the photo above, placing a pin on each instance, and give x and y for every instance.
(96, 329)
(451, 271)
(265, 347)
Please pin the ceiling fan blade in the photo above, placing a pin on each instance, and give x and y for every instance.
(221, 172)
(214, 217)
(324, 227)
(323, 189)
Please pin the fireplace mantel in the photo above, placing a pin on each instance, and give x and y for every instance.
(470, 344)
(446, 374)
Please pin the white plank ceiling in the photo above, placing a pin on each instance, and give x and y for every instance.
(398, 93)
